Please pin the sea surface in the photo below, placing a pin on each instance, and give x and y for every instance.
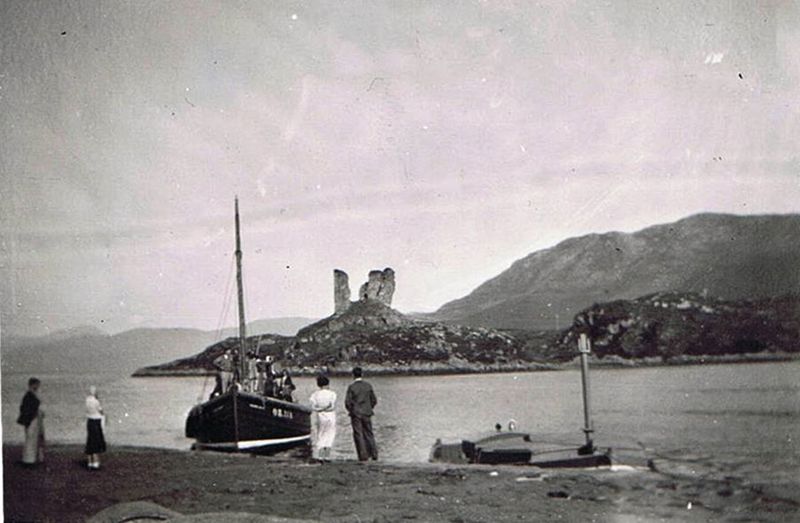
(740, 420)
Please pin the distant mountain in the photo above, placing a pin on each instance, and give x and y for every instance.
(100, 352)
(721, 255)
(11, 338)
(87, 350)
(75, 332)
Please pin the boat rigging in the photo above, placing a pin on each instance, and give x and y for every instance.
(242, 416)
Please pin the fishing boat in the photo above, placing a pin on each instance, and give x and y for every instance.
(242, 420)
(519, 448)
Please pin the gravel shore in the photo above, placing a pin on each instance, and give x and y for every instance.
(61, 489)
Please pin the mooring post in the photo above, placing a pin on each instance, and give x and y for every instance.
(585, 347)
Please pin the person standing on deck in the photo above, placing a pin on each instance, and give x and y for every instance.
(360, 402)
(259, 387)
(252, 372)
(269, 377)
(225, 366)
(285, 386)
(95, 441)
(323, 403)
(32, 418)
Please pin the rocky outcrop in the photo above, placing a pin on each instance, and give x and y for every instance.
(371, 334)
(341, 291)
(379, 287)
(671, 325)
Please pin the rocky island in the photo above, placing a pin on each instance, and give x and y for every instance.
(370, 333)
(661, 328)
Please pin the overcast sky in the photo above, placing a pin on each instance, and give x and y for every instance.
(444, 140)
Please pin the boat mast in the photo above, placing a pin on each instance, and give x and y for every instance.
(240, 289)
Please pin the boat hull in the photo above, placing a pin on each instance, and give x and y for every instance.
(244, 422)
(513, 448)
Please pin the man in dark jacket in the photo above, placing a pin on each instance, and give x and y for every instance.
(359, 402)
(31, 418)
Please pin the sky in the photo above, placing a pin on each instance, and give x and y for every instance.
(443, 139)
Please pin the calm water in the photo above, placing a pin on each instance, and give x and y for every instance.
(740, 420)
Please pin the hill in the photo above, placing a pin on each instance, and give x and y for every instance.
(732, 257)
(90, 350)
(679, 327)
(98, 353)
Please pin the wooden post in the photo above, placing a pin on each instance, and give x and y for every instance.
(585, 347)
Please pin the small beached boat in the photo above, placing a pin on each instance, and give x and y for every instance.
(238, 420)
(517, 448)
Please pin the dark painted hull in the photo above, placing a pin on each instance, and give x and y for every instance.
(246, 422)
(515, 448)
(574, 460)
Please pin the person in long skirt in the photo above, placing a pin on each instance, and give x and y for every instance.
(323, 403)
(95, 441)
(31, 417)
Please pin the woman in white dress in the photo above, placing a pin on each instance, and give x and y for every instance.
(323, 403)
(95, 440)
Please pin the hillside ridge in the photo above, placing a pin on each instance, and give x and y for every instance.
(730, 256)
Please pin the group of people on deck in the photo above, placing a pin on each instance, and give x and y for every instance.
(31, 417)
(262, 376)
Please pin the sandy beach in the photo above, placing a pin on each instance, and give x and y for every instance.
(197, 482)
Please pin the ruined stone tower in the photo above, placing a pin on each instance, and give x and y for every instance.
(379, 287)
(341, 291)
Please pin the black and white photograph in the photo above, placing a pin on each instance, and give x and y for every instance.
(378, 261)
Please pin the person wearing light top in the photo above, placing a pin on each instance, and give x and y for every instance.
(225, 366)
(95, 442)
(323, 403)
(252, 372)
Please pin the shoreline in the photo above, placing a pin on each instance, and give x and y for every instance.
(441, 369)
(191, 482)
